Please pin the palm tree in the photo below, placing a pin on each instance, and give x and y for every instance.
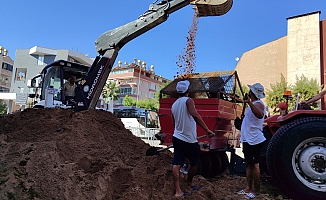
(110, 91)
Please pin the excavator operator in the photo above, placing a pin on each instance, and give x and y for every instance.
(70, 88)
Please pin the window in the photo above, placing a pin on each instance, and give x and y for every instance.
(126, 90)
(40, 60)
(122, 71)
(7, 66)
(52, 79)
(151, 95)
(152, 86)
(3, 89)
(20, 74)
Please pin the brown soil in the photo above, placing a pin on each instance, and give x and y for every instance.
(60, 154)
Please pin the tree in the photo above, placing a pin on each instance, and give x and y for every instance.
(128, 101)
(307, 88)
(244, 88)
(3, 108)
(275, 95)
(150, 104)
(110, 90)
(160, 87)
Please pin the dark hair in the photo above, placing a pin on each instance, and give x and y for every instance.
(183, 94)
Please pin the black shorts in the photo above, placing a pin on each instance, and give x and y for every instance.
(252, 152)
(184, 150)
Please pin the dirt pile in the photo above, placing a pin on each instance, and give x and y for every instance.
(60, 154)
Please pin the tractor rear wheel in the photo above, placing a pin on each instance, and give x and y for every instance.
(215, 164)
(296, 158)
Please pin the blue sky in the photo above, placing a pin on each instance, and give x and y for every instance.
(75, 25)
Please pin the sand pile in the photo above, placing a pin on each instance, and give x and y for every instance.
(60, 154)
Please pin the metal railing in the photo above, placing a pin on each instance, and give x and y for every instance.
(146, 134)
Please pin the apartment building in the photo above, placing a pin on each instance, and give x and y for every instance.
(135, 80)
(301, 51)
(30, 62)
(6, 64)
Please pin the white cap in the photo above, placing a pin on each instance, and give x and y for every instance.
(258, 90)
(182, 86)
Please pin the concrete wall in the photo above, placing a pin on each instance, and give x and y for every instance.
(303, 45)
(264, 64)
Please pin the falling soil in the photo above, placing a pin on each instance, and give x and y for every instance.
(60, 154)
(186, 62)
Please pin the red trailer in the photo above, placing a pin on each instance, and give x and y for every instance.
(217, 97)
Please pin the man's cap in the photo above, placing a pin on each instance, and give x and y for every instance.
(258, 90)
(182, 86)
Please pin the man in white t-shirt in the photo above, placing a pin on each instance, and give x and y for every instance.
(185, 143)
(69, 88)
(252, 138)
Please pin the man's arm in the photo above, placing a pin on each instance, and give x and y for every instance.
(257, 109)
(193, 112)
(317, 97)
(65, 86)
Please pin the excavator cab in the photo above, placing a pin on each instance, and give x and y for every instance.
(54, 76)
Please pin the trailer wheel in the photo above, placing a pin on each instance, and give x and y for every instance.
(215, 164)
(205, 165)
(199, 168)
(296, 158)
(224, 161)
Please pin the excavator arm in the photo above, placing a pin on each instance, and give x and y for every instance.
(110, 42)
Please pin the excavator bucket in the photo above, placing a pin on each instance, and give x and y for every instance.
(212, 7)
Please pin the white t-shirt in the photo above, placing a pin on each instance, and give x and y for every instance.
(185, 124)
(252, 127)
(70, 89)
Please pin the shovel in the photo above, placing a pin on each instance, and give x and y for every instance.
(154, 151)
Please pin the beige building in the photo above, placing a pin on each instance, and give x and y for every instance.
(301, 52)
(135, 80)
(6, 70)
